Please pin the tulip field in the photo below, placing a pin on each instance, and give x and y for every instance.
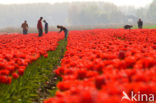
(17, 51)
(100, 64)
(96, 66)
(26, 65)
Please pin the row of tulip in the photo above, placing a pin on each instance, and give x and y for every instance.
(100, 65)
(17, 51)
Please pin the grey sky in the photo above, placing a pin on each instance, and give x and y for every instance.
(135, 3)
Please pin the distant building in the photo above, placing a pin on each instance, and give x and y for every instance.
(131, 19)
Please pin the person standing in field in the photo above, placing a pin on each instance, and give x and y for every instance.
(25, 27)
(46, 27)
(39, 27)
(62, 28)
(140, 24)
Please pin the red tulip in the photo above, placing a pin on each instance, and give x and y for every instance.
(15, 75)
(121, 55)
(99, 82)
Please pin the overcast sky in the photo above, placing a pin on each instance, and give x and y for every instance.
(135, 3)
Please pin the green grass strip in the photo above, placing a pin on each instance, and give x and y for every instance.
(146, 27)
(24, 89)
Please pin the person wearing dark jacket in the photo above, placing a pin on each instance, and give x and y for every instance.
(62, 28)
(39, 27)
(25, 27)
(46, 27)
(140, 24)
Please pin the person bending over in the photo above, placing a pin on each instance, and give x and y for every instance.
(62, 28)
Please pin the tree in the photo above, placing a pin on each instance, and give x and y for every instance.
(151, 14)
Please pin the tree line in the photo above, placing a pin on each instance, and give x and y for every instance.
(75, 14)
